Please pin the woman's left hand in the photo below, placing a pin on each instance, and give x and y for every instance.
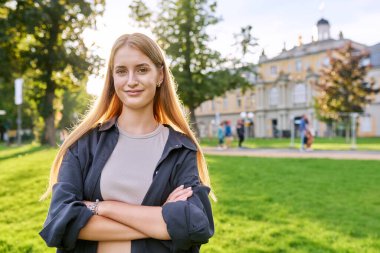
(180, 194)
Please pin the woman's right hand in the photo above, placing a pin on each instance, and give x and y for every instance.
(180, 194)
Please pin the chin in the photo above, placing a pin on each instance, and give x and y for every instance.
(138, 106)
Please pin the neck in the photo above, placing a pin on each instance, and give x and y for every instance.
(136, 121)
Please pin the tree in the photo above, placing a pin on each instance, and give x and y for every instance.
(180, 27)
(343, 88)
(10, 67)
(53, 55)
(73, 107)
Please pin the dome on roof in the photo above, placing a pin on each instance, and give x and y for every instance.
(323, 29)
(323, 21)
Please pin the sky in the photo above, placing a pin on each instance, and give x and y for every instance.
(274, 22)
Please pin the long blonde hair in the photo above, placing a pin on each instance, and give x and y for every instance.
(166, 109)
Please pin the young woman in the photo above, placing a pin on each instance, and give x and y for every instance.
(131, 177)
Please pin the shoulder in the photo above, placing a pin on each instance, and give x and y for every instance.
(86, 144)
(177, 139)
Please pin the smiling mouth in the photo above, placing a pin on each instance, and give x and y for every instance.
(134, 92)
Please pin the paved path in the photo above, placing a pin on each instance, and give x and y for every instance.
(294, 153)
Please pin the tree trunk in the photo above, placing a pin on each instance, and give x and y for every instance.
(49, 131)
(193, 122)
(48, 113)
(48, 135)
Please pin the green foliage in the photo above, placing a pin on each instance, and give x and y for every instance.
(342, 86)
(180, 27)
(47, 49)
(74, 105)
(264, 205)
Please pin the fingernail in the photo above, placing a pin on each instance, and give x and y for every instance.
(188, 188)
(181, 186)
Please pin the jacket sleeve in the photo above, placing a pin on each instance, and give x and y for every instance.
(67, 214)
(189, 222)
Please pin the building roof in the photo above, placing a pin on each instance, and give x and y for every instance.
(312, 48)
(375, 55)
(323, 21)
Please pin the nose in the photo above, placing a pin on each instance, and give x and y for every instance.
(132, 81)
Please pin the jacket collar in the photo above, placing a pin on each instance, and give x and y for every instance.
(107, 124)
(175, 139)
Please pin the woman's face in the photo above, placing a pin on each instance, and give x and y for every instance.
(135, 78)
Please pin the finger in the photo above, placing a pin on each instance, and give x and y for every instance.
(176, 190)
(184, 197)
(180, 192)
(183, 194)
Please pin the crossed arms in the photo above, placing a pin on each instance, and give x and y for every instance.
(118, 221)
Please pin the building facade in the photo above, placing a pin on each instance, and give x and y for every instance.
(284, 91)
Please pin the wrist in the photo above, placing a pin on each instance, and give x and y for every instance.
(104, 208)
(93, 207)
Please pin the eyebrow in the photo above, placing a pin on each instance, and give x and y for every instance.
(137, 66)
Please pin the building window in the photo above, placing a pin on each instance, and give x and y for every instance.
(273, 70)
(300, 93)
(238, 101)
(365, 124)
(225, 102)
(273, 96)
(213, 105)
(298, 65)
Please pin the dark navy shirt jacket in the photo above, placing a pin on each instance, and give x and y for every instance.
(189, 223)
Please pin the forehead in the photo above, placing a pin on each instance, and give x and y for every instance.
(129, 55)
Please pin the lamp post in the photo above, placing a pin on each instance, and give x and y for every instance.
(353, 129)
(18, 102)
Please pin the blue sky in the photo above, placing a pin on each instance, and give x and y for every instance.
(274, 22)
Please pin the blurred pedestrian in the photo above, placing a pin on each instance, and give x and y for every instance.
(221, 136)
(240, 130)
(304, 122)
(228, 133)
(309, 138)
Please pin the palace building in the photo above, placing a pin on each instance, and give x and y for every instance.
(284, 88)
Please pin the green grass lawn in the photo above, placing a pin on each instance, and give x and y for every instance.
(319, 143)
(264, 204)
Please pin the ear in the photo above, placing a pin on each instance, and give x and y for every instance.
(161, 74)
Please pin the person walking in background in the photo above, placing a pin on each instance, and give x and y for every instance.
(221, 136)
(309, 138)
(228, 133)
(303, 128)
(131, 177)
(240, 129)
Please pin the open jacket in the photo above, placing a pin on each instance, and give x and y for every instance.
(189, 223)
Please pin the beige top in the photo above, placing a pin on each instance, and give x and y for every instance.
(128, 172)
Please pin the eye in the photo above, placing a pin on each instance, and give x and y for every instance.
(142, 70)
(120, 71)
